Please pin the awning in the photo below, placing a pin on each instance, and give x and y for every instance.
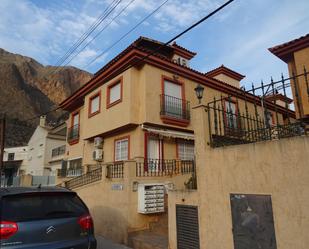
(169, 133)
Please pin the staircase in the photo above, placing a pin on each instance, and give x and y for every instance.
(156, 237)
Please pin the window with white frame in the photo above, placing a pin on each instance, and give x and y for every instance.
(115, 93)
(185, 150)
(95, 104)
(122, 149)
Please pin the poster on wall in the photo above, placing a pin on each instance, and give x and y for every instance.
(253, 222)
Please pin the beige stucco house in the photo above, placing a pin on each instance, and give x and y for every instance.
(131, 132)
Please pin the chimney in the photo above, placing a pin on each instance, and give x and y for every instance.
(43, 121)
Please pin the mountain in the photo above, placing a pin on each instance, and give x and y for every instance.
(28, 88)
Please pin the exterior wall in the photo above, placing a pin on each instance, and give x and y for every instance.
(76, 150)
(120, 113)
(296, 65)
(115, 211)
(276, 168)
(228, 80)
(53, 163)
(20, 153)
(140, 103)
(37, 148)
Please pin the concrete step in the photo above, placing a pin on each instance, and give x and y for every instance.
(148, 240)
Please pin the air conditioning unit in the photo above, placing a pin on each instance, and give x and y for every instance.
(97, 155)
(182, 61)
(98, 142)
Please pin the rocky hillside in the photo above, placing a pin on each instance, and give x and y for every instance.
(27, 88)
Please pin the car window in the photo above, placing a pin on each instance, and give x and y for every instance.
(41, 206)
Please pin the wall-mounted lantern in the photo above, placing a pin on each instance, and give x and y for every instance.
(199, 90)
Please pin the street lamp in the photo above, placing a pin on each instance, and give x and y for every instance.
(199, 92)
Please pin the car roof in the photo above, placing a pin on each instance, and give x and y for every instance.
(21, 190)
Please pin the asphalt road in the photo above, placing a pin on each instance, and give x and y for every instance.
(107, 244)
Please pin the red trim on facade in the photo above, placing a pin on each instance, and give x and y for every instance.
(72, 142)
(77, 112)
(225, 110)
(175, 121)
(279, 96)
(226, 71)
(168, 119)
(284, 51)
(116, 82)
(118, 139)
(132, 53)
(183, 51)
(98, 94)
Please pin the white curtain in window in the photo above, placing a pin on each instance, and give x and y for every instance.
(114, 93)
(172, 89)
(153, 151)
(185, 150)
(76, 119)
(95, 104)
(121, 150)
(230, 108)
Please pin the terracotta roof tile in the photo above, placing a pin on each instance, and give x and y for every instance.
(283, 51)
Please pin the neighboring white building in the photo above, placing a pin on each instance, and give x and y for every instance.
(14, 159)
(46, 149)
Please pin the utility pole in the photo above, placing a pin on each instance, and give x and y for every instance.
(2, 134)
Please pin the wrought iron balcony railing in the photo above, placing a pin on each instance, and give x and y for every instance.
(174, 107)
(73, 133)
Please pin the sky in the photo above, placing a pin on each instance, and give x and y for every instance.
(238, 36)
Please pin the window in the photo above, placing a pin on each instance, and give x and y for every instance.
(94, 104)
(173, 102)
(185, 150)
(122, 149)
(73, 132)
(11, 156)
(75, 119)
(114, 93)
(269, 119)
(75, 167)
(40, 206)
(230, 114)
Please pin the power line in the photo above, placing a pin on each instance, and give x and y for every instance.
(88, 32)
(106, 26)
(126, 34)
(156, 50)
(176, 37)
(77, 44)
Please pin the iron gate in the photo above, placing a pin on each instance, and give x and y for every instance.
(187, 227)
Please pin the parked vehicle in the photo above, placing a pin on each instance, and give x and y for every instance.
(44, 218)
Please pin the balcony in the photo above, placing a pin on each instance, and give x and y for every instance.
(164, 167)
(59, 151)
(70, 172)
(174, 110)
(73, 134)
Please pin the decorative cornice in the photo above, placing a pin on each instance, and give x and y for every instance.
(284, 51)
(226, 71)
